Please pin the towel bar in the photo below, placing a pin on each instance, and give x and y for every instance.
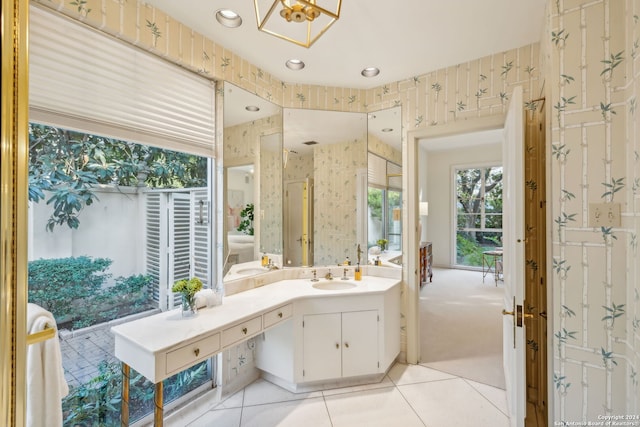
(46, 334)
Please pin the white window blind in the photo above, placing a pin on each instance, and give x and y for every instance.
(377, 171)
(382, 173)
(84, 80)
(394, 172)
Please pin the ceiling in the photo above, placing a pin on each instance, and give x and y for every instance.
(423, 36)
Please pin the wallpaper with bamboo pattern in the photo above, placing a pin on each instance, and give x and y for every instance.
(592, 47)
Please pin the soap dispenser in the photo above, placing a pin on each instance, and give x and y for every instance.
(347, 261)
(265, 260)
(358, 273)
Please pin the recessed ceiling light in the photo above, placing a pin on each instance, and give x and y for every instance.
(228, 18)
(295, 64)
(370, 72)
(252, 108)
(387, 130)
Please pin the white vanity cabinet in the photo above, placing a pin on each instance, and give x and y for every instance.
(333, 339)
(338, 345)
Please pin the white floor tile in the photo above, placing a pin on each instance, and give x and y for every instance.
(382, 407)
(219, 418)
(233, 401)
(386, 382)
(411, 374)
(452, 403)
(310, 412)
(495, 395)
(261, 392)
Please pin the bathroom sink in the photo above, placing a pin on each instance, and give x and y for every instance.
(254, 270)
(335, 285)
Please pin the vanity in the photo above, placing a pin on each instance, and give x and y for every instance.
(309, 333)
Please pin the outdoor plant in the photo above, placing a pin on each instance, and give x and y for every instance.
(55, 283)
(65, 166)
(468, 251)
(97, 402)
(62, 285)
(246, 223)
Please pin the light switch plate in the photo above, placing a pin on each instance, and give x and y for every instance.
(604, 215)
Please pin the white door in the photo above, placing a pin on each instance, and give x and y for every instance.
(359, 343)
(513, 259)
(322, 346)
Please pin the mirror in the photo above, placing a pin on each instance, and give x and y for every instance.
(299, 179)
(384, 195)
(253, 180)
(325, 167)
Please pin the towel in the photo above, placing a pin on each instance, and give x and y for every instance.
(46, 385)
(207, 298)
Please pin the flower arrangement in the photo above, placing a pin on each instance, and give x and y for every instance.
(382, 244)
(188, 289)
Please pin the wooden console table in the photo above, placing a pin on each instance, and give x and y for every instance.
(426, 261)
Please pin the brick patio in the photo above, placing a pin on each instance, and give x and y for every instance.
(83, 350)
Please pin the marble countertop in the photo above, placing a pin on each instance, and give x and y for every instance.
(162, 331)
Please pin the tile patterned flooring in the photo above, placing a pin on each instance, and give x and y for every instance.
(409, 395)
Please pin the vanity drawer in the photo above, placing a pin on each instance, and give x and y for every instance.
(191, 353)
(241, 331)
(278, 315)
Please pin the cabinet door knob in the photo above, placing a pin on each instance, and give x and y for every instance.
(280, 315)
(346, 344)
(337, 345)
(244, 331)
(196, 352)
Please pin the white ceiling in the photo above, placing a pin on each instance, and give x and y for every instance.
(402, 38)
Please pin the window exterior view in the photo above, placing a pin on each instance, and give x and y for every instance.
(104, 214)
(478, 213)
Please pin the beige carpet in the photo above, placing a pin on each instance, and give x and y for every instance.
(461, 325)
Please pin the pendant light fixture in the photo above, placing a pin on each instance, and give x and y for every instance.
(298, 21)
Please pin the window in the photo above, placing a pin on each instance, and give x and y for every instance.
(121, 152)
(478, 221)
(97, 250)
(385, 203)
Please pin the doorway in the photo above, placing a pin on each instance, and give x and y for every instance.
(460, 311)
(535, 238)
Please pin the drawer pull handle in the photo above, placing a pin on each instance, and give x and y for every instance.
(337, 345)
(280, 315)
(244, 331)
(346, 344)
(196, 352)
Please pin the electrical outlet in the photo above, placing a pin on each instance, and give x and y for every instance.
(604, 215)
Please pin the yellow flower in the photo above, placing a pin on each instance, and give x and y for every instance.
(187, 287)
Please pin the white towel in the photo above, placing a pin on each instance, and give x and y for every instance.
(46, 385)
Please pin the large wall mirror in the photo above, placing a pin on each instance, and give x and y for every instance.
(253, 179)
(384, 193)
(325, 186)
(303, 186)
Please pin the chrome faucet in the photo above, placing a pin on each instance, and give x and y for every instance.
(329, 276)
(271, 266)
(344, 276)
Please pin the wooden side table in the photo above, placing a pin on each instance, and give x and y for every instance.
(426, 261)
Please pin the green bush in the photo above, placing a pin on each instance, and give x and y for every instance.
(74, 290)
(468, 251)
(55, 283)
(97, 402)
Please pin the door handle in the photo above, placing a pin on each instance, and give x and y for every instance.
(507, 313)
